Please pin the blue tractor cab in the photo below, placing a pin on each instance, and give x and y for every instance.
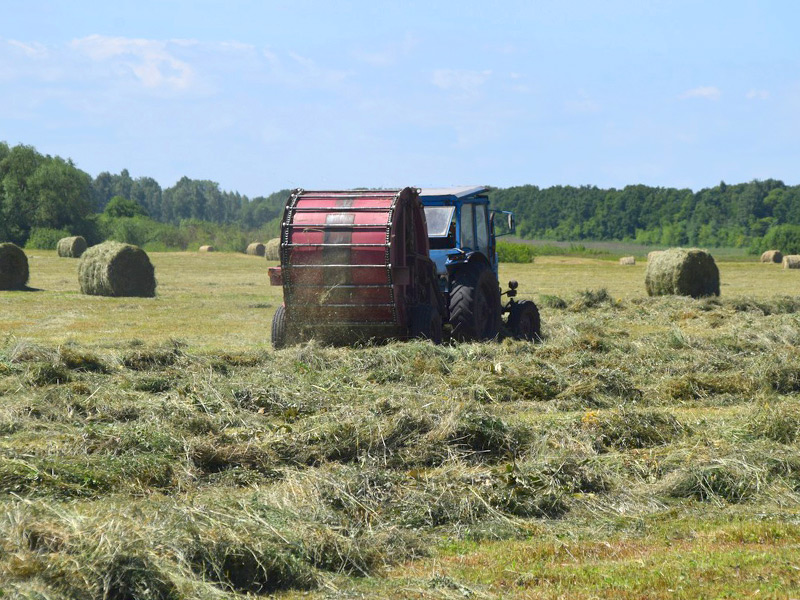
(462, 239)
(461, 227)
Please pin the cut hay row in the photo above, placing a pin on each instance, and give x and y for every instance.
(115, 269)
(71, 247)
(256, 249)
(791, 261)
(272, 250)
(13, 267)
(627, 260)
(772, 256)
(683, 272)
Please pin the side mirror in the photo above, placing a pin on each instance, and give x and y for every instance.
(511, 224)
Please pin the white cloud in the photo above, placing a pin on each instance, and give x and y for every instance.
(150, 61)
(707, 92)
(583, 105)
(757, 95)
(310, 72)
(453, 79)
(388, 55)
(33, 50)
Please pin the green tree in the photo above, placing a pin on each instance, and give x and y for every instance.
(121, 207)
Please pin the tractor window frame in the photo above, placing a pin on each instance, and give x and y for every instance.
(482, 238)
(467, 237)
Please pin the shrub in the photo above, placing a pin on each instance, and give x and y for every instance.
(785, 237)
(43, 238)
(509, 252)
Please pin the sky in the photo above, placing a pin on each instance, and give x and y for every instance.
(265, 95)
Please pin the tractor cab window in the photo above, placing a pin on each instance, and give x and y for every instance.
(468, 227)
(441, 222)
(482, 226)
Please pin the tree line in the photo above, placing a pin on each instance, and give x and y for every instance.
(745, 215)
(42, 197)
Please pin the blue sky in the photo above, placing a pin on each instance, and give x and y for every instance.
(260, 96)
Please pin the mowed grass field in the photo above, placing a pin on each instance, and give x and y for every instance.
(224, 301)
(159, 448)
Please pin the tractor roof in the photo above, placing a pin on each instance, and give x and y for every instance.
(458, 192)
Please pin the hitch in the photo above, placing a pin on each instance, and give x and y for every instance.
(511, 292)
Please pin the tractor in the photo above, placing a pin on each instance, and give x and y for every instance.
(394, 264)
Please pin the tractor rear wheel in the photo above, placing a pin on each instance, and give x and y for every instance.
(524, 321)
(279, 328)
(474, 303)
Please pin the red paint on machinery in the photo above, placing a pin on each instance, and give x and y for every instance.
(353, 260)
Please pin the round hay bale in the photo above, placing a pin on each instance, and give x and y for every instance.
(115, 269)
(207, 249)
(772, 256)
(627, 260)
(652, 254)
(256, 249)
(13, 267)
(683, 272)
(273, 249)
(71, 247)
(791, 261)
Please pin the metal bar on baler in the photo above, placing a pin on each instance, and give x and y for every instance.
(338, 209)
(344, 286)
(330, 305)
(322, 245)
(319, 226)
(381, 266)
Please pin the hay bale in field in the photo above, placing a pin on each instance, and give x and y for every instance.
(13, 267)
(71, 247)
(772, 256)
(207, 249)
(115, 269)
(273, 249)
(791, 261)
(627, 260)
(652, 254)
(256, 249)
(684, 272)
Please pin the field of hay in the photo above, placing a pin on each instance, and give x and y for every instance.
(158, 448)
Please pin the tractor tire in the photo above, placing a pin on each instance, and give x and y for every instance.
(474, 304)
(279, 328)
(524, 321)
(426, 323)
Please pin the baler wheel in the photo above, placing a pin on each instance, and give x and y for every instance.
(524, 321)
(279, 328)
(426, 323)
(474, 303)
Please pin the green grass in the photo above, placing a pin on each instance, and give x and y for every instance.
(158, 448)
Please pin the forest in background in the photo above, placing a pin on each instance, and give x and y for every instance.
(43, 198)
